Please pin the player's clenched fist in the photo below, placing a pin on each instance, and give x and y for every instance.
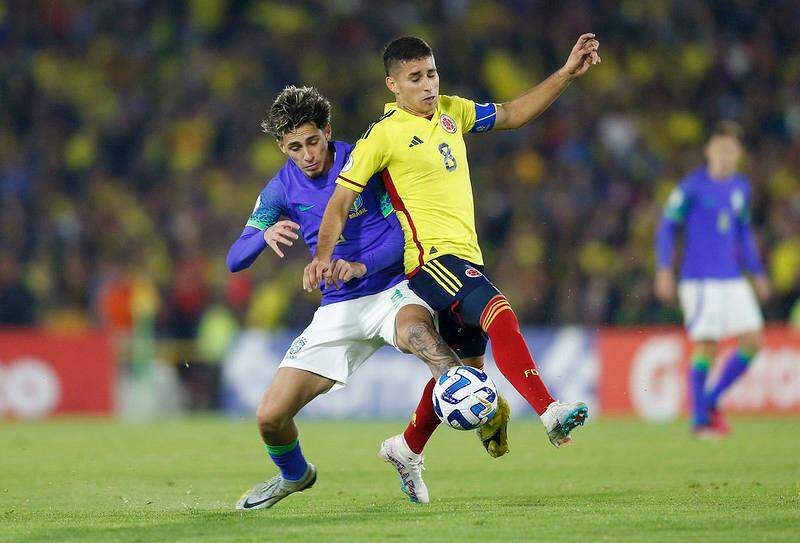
(281, 232)
(582, 56)
(343, 271)
(333, 273)
(314, 273)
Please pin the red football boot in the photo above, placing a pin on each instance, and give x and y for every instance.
(719, 424)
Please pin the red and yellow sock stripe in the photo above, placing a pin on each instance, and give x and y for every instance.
(496, 305)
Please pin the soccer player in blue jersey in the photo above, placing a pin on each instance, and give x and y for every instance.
(373, 307)
(712, 204)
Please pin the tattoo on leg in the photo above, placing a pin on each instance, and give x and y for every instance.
(428, 345)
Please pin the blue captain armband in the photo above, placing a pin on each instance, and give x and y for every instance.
(485, 116)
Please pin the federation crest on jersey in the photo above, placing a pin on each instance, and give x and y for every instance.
(296, 346)
(357, 208)
(348, 164)
(448, 123)
(386, 204)
(472, 272)
(737, 201)
(675, 198)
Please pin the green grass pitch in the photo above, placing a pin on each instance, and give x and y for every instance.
(620, 481)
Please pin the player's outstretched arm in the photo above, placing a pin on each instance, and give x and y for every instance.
(751, 259)
(252, 241)
(245, 249)
(665, 288)
(329, 231)
(665, 285)
(530, 105)
(263, 229)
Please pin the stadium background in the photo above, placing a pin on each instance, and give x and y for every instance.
(131, 155)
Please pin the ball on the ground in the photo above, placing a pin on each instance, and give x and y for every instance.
(465, 398)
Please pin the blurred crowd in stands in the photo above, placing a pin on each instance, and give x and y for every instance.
(131, 153)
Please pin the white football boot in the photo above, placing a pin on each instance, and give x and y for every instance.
(409, 466)
(561, 418)
(265, 495)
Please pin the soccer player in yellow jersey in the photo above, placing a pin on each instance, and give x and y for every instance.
(417, 146)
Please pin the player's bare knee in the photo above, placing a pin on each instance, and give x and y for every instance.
(751, 342)
(410, 324)
(270, 421)
(412, 321)
(422, 339)
(418, 334)
(401, 337)
(706, 349)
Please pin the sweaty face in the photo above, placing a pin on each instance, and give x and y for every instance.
(723, 154)
(415, 83)
(307, 146)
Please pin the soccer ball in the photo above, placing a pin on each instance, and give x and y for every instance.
(465, 398)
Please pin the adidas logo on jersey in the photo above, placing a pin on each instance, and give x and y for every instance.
(415, 141)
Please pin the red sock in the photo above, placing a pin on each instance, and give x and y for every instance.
(511, 353)
(423, 422)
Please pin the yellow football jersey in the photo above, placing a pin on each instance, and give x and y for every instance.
(423, 163)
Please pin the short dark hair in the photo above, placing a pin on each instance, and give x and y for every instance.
(296, 106)
(729, 128)
(405, 48)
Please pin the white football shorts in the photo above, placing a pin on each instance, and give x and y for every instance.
(343, 335)
(715, 309)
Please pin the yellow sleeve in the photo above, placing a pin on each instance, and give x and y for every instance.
(369, 156)
(464, 111)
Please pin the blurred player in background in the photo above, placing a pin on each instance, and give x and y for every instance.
(374, 307)
(418, 148)
(712, 204)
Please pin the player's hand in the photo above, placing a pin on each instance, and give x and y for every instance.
(665, 285)
(343, 271)
(281, 232)
(762, 286)
(314, 273)
(582, 56)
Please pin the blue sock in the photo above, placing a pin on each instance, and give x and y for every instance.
(697, 390)
(734, 368)
(289, 459)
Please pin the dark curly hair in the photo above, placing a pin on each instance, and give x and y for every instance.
(294, 107)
